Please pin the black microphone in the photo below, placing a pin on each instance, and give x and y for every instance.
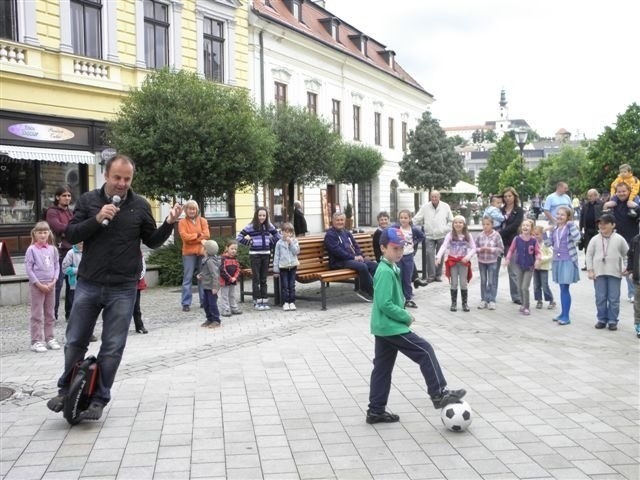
(115, 200)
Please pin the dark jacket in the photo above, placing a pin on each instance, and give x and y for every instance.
(589, 214)
(58, 218)
(633, 257)
(229, 270)
(111, 255)
(510, 226)
(299, 222)
(625, 225)
(341, 247)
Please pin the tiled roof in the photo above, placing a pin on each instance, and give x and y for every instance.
(314, 19)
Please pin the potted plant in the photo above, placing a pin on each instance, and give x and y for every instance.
(348, 213)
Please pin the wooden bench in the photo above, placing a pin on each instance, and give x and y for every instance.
(314, 263)
(314, 266)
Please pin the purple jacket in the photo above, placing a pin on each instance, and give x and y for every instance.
(42, 264)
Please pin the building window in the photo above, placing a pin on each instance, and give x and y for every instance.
(9, 20)
(364, 203)
(86, 28)
(356, 122)
(376, 127)
(216, 207)
(213, 50)
(156, 34)
(297, 10)
(391, 144)
(312, 103)
(335, 115)
(281, 94)
(404, 136)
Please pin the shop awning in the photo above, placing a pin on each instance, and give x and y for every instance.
(47, 154)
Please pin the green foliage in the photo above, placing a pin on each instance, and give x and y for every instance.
(169, 259)
(490, 136)
(307, 148)
(348, 210)
(431, 161)
(567, 166)
(458, 141)
(358, 164)
(192, 138)
(614, 147)
(499, 160)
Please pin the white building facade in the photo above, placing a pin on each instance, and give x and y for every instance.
(300, 54)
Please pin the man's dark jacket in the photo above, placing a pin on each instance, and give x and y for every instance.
(111, 255)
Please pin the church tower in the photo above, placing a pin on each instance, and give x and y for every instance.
(502, 122)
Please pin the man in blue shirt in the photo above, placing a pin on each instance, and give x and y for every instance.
(557, 199)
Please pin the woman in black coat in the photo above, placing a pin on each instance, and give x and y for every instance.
(513, 217)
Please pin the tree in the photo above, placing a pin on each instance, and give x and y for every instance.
(614, 147)
(430, 161)
(192, 138)
(499, 159)
(306, 151)
(358, 164)
(490, 136)
(567, 166)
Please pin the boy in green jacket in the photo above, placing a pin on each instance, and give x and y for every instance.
(390, 324)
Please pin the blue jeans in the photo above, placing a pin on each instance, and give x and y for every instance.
(190, 267)
(607, 298)
(407, 266)
(288, 284)
(541, 286)
(210, 305)
(488, 281)
(365, 271)
(116, 304)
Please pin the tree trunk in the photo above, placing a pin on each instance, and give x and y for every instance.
(290, 194)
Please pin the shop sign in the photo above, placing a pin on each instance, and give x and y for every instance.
(40, 132)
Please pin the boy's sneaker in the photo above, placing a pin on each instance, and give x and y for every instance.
(285, 307)
(552, 305)
(38, 347)
(539, 304)
(207, 324)
(384, 417)
(600, 325)
(292, 306)
(482, 305)
(613, 327)
(56, 404)
(492, 306)
(638, 330)
(236, 312)
(214, 324)
(447, 397)
(225, 314)
(53, 344)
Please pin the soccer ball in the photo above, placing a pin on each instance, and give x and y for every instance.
(456, 416)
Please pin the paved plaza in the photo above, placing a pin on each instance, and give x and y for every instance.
(283, 395)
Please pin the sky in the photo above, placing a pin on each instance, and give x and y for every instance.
(562, 63)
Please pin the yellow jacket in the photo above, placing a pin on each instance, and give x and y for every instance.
(633, 182)
(192, 233)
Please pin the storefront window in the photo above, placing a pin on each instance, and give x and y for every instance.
(19, 202)
(216, 207)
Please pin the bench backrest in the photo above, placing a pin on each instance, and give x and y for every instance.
(314, 258)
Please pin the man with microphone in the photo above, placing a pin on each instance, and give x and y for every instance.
(111, 221)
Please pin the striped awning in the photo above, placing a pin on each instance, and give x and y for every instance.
(47, 154)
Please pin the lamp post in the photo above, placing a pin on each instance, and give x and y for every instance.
(521, 140)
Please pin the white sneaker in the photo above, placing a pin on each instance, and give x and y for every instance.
(285, 307)
(53, 344)
(265, 306)
(292, 306)
(38, 347)
(492, 306)
(257, 306)
(482, 305)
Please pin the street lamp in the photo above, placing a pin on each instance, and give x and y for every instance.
(521, 140)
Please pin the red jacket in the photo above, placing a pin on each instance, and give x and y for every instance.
(451, 261)
(229, 270)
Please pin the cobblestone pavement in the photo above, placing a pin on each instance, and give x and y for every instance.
(282, 395)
